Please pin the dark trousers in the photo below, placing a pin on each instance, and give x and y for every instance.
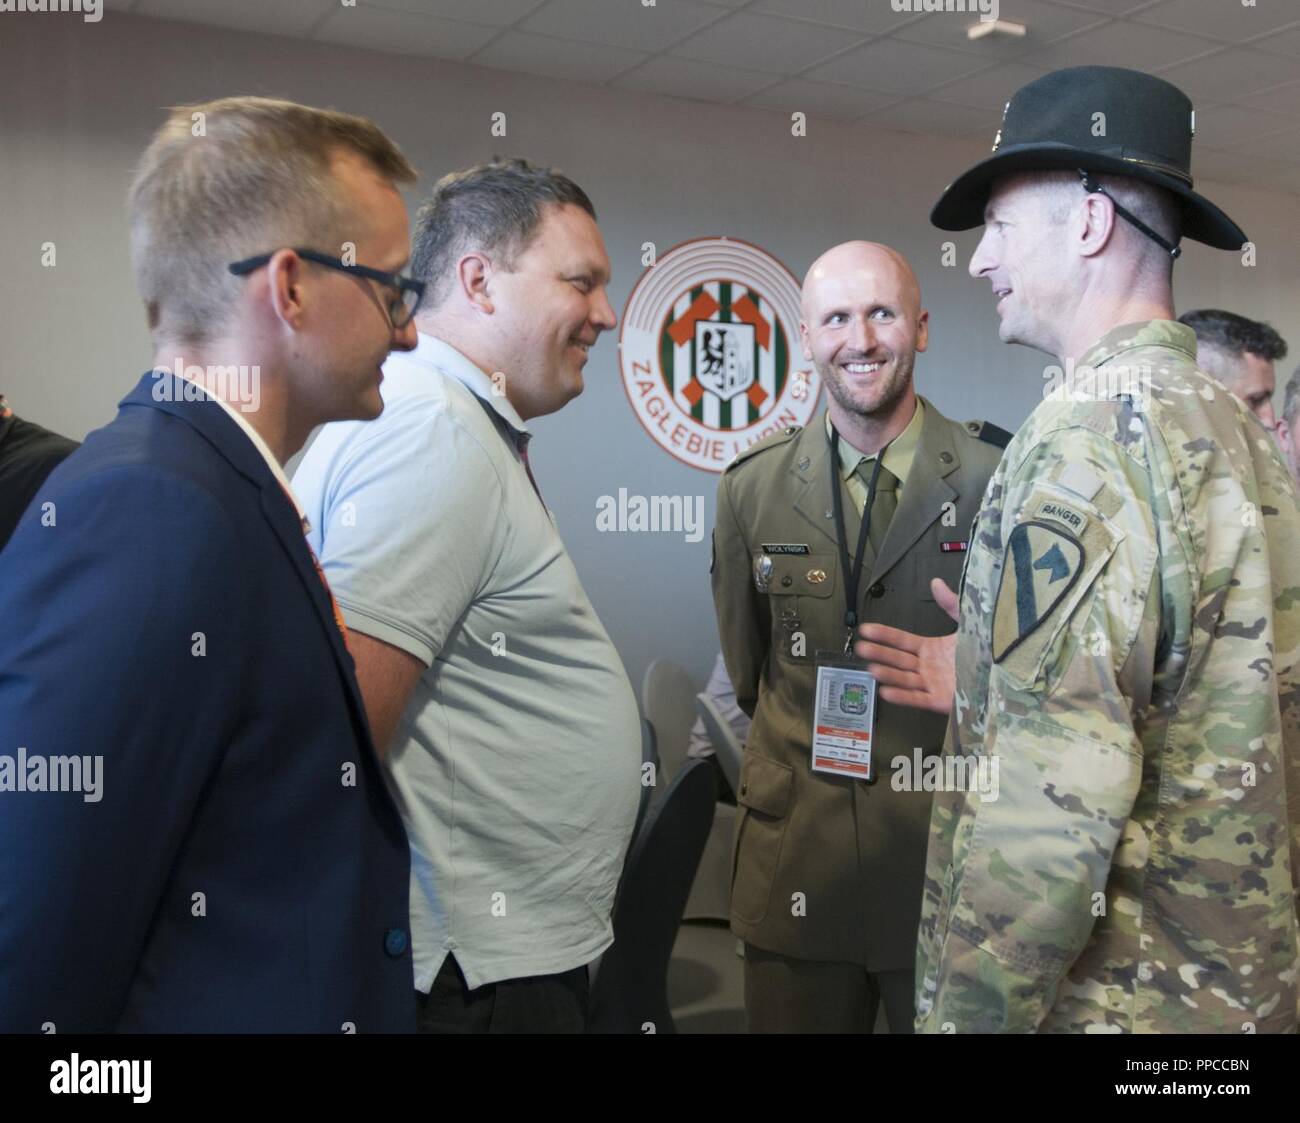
(784, 995)
(537, 1004)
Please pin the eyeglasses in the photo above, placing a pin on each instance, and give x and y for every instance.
(402, 304)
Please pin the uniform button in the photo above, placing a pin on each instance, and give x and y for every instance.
(945, 457)
(787, 580)
(877, 590)
(395, 942)
(744, 788)
(803, 463)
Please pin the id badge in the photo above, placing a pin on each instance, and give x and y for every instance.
(844, 716)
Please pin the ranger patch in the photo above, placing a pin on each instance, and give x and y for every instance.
(1042, 563)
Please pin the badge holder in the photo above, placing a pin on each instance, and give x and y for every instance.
(844, 717)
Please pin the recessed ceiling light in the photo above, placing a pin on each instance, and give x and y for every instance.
(1003, 28)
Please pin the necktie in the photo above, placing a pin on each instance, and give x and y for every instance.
(885, 504)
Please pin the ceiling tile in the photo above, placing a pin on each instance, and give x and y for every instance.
(991, 88)
(1232, 22)
(1210, 164)
(770, 43)
(891, 66)
(1120, 43)
(628, 24)
(1107, 7)
(1280, 99)
(918, 115)
(1231, 74)
(556, 58)
(1227, 125)
(681, 77)
(495, 13)
(1282, 147)
(1287, 181)
(403, 33)
(1043, 22)
(289, 17)
(852, 14)
(1283, 42)
(820, 99)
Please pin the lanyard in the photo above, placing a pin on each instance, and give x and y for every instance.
(852, 574)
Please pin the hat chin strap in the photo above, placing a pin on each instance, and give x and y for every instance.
(1091, 186)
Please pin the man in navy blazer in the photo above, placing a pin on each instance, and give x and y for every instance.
(195, 832)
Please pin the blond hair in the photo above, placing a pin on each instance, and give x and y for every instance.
(229, 179)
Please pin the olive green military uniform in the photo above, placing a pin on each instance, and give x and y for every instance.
(829, 869)
(1129, 656)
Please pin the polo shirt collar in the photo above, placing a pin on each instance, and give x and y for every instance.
(436, 354)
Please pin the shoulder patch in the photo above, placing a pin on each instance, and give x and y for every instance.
(1042, 564)
(772, 440)
(989, 433)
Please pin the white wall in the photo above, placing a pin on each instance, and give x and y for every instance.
(82, 100)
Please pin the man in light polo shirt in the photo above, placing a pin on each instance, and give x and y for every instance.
(511, 727)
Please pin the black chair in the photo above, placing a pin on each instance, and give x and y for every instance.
(650, 756)
(630, 990)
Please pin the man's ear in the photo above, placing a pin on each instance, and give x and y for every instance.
(1096, 224)
(474, 276)
(803, 337)
(923, 330)
(285, 288)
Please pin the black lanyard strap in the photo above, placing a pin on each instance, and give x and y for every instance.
(853, 573)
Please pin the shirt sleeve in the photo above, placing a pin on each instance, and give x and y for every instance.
(413, 525)
(1074, 630)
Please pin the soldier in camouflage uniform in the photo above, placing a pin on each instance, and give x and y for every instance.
(1129, 621)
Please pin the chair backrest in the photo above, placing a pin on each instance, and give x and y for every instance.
(725, 743)
(649, 755)
(630, 991)
(668, 701)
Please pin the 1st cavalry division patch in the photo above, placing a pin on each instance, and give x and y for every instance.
(1042, 564)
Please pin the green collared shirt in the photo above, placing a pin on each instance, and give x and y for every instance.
(898, 457)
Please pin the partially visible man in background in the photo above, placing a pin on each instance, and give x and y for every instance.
(1239, 354)
(1288, 429)
(28, 454)
(512, 731)
(222, 854)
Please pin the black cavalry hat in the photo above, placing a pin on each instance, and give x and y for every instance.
(1049, 125)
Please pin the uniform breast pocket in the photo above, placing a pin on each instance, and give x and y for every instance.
(801, 588)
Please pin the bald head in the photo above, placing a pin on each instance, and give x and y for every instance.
(862, 326)
(862, 264)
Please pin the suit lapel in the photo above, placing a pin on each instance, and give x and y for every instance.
(925, 491)
(209, 420)
(812, 492)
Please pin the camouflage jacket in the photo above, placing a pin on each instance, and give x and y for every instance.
(1127, 669)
